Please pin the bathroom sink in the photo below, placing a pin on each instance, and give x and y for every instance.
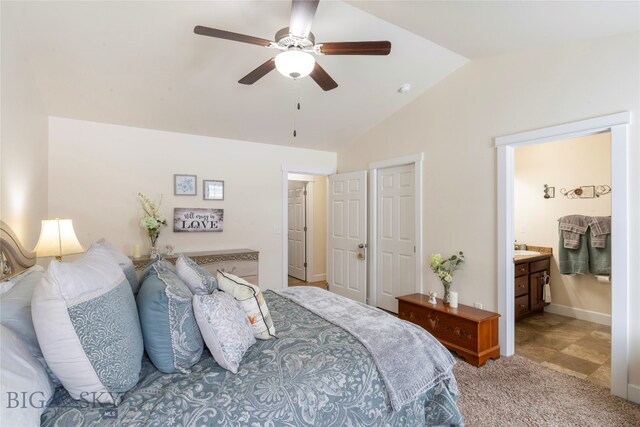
(520, 252)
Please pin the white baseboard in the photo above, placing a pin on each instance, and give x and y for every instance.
(633, 393)
(579, 313)
(317, 278)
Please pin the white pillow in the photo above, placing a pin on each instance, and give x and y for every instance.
(124, 262)
(199, 280)
(24, 383)
(87, 325)
(224, 327)
(252, 302)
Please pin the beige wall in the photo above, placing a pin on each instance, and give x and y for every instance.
(563, 164)
(455, 123)
(23, 140)
(97, 169)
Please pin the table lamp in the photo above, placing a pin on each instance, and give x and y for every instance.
(57, 238)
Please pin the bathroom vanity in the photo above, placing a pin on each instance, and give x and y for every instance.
(530, 271)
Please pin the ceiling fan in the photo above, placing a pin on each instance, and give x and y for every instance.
(297, 47)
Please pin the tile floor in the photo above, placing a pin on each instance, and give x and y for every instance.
(565, 344)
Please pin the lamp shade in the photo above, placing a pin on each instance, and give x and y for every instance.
(57, 238)
(295, 63)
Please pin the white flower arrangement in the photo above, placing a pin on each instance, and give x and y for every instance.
(152, 221)
(444, 268)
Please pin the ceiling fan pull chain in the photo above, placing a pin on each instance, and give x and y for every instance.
(297, 107)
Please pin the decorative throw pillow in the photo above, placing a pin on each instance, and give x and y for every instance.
(24, 384)
(125, 263)
(225, 328)
(252, 302)
(85, 318)
(171, 335)
(199, 280)
(15, 312)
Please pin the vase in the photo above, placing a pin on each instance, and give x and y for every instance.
(447, 297)
(153, 252)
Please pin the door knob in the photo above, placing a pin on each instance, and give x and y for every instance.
(362, 246)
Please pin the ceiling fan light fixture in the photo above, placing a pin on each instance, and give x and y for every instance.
(294, 63)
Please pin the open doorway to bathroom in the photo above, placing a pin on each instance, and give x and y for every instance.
(562, 283)
(306, 249)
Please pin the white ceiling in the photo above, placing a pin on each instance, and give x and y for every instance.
(483, 28)
(139, 63)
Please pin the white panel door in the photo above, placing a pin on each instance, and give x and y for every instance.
(347, 230)
(395, 244)
(297, 230)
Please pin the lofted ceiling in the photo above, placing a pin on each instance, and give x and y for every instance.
(138, 63)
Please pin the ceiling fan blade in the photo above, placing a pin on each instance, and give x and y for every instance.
(355, 48)
(228, 35)
(302, 13)
(324, 80)
(259, 72)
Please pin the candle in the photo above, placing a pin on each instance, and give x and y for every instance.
(453, 299)
(135, 251)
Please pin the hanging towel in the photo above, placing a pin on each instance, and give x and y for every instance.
(573, 261)
(573, 227)
(546, 289)
(600, 227)
(600, 258)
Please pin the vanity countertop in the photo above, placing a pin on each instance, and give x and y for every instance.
(544, 253)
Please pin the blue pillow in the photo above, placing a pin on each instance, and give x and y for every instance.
(15, 312)
(169, 329)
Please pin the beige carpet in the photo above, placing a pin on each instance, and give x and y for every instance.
(515, 391)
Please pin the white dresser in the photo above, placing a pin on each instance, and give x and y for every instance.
(241, 262)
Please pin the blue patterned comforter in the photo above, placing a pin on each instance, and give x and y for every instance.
(314, 374)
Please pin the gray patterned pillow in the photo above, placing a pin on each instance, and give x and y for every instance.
(224, 327)
(199, 280)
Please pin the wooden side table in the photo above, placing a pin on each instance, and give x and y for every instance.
(469, 332)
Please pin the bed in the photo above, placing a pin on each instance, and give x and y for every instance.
(314, 374)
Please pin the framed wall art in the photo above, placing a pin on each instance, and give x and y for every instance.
(197, 220)
(213, 189)
(184, 185)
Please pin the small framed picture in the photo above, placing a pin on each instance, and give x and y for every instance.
(213, 189)
(184, 185)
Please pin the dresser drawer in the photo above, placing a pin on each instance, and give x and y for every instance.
(539, 265)
(521, 269)
(521, 286)
(522, 306)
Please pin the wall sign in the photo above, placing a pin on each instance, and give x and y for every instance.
(197, 219)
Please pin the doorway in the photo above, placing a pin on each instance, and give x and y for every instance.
(562, 292)
(617, 124)
(306, 230)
